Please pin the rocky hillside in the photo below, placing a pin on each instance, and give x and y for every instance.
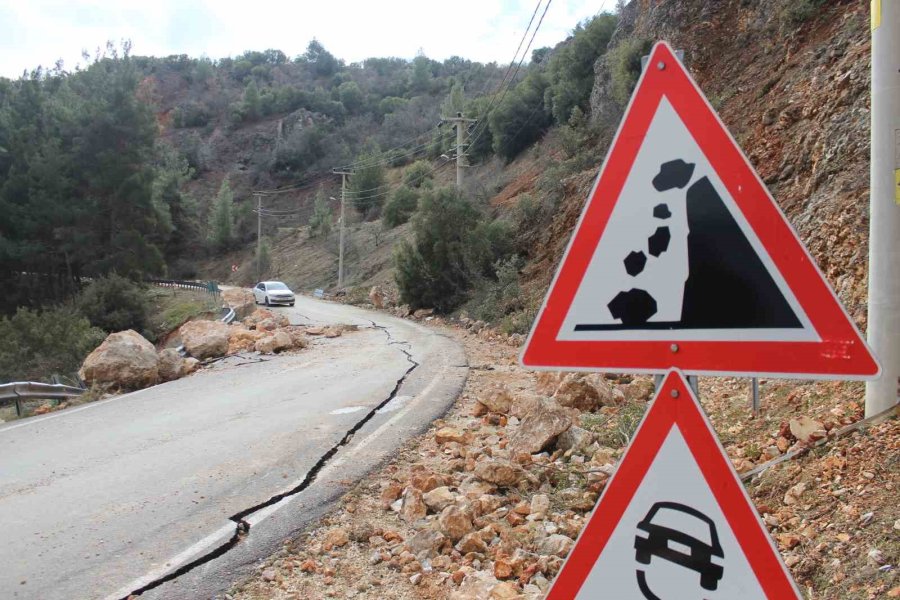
(793, 88)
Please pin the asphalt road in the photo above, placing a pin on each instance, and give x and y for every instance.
(102, 500)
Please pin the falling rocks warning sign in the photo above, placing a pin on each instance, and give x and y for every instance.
(682, 258)
(674, 522)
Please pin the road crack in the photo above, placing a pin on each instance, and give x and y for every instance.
(242, 527)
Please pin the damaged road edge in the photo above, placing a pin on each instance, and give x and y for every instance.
(242, 527)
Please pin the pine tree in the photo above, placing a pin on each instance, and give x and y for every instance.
(221, 222)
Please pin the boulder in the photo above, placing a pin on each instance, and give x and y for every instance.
(276, 342)
(241, 339)
(412, 507)
(425, 544)
(522, 404)
(548, 381)
(556, 545)
(471, 542)
(499, 472)
(376, 297)
(574, 438)
(497, 400)
(264, 314)
(451, 434)
(540, 427)
(807, 430)
(124, 359)
(439, 498)
(174, 366)
(575, 391)
(298, 337)
(205, 339)
(639, 390)
(455, 523)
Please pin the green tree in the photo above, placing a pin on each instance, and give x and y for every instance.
(453, 243)
(520, 119)
(351, 96)
(323, 63)
(114, 303)
(570, 70)
(320, 219)
(37, 344)
(400, 207)
(251, 101)
(221, 221)
(418, 174)
(420, 77)
(366, 189)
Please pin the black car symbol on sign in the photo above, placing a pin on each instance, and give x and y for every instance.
(657, 537)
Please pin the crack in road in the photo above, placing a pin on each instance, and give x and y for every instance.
(242, 527)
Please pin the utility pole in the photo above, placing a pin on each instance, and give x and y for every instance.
(258, 236)
(884, 207)
(343, 175)
(460, 123)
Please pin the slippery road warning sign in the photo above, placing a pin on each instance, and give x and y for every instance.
(674, 522)
(682, 258)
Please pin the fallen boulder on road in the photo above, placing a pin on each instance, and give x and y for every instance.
(205, 339)
(125, 360)
(174, 366)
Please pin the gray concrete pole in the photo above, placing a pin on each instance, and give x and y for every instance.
(258, 236)
(460, 125)
(341, 244)
(884, 211)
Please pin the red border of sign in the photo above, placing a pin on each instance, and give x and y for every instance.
(841, 353)
(685, 413)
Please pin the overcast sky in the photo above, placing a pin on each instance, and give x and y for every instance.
(39, 32)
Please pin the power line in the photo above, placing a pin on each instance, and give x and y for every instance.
(483, 120)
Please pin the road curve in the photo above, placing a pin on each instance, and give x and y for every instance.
(178, 490)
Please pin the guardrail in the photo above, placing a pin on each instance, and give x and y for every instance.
(29, 390)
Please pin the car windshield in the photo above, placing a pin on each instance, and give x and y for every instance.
(683, 522)
(277, 285)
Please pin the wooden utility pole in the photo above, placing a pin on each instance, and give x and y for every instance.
(343, 175)
(460, 123)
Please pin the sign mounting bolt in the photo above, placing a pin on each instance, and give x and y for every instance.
(661, 65)
(674, 393)
(674, 347)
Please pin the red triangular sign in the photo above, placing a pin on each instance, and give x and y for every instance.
(674, 521)
(682, 258)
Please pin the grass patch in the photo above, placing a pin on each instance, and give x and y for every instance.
(172, 308)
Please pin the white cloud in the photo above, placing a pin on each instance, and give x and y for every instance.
(42, 31)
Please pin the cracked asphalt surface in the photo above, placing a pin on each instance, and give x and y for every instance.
(178, 490)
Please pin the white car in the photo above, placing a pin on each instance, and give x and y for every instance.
(273, 292)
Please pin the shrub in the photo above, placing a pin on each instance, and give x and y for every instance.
(418, 174)
(795, 12)
(625, 67)
(494, 299)
(400, 207)
(35, 345)
(114, 303)
(451, 248)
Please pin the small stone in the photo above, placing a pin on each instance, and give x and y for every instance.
(498, 472)
(439, 498)
(471, 542)
(335, 538)
(268, 575)
(556, 545)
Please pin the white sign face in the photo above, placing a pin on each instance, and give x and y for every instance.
(682, 535)
(647, 253)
